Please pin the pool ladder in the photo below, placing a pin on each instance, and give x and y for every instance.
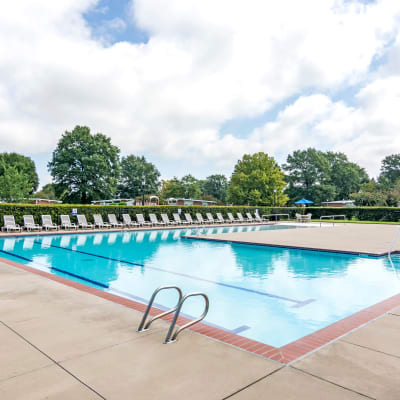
(171, 335)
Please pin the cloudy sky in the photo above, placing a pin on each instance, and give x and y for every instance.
(193, 85)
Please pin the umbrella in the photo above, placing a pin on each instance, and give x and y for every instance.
(304, 201)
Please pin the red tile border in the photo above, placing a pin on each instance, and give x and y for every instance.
(284, 354)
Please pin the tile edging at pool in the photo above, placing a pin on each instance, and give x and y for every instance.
(286, 246)
(285, 354)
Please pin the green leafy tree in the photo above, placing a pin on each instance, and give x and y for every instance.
(215, 186)
(171, 188)
(133, 170)
(370, 194)
(47, 192)
(257, 180)
(390, 170)
(188, 187)
(84, 167)
(345, 176)
(23, 165)
(14, 184)
(308, 175)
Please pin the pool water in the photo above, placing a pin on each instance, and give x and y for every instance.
(269, 294)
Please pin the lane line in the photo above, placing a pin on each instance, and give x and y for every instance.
(298, 303)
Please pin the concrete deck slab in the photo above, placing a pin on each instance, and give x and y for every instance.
(355, 238)
(371, 335)
(50, 383)
(17, 356)
(291, 384)
(362, 370)
(192, 368)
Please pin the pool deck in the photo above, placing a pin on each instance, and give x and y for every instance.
(369, 239)
(60, 341)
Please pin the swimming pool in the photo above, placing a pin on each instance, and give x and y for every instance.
(268, 294)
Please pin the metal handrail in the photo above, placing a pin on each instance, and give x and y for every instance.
(331, 217)
(142, 326)
(170, 338)
(276, 215)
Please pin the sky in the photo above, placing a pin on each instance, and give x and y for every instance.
(193, 85)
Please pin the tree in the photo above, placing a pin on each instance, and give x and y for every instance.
(14, 185)
(47, 192)
(84, 167)
(215, 186)
(133, 170)
(188, 188)
(309, 176)
(257, 180)
(370, 194)
(345, 176)
(390, 170)
(171, 188)
(23, 165)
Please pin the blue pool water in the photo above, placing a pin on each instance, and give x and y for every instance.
(273, 295)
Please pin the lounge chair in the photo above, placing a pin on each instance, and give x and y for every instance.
(66, 222)
(128, 221)
(210, 218)
(231, 218)
(200, 219)
(142, 221)
(98, 221)
(177, 219)
(188, 218)
(155, 221)
(112, 219)
(29, 223)
(9, 224)
(240, 217)
(221, 219)
(82, 222)
(47, 223)
(250, 218)
(166, 220)
(260, 219)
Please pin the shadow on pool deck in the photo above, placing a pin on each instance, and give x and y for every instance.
(61, 343)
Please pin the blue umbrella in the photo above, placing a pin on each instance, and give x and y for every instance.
(304, 201)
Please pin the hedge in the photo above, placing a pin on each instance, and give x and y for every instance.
(391, 214)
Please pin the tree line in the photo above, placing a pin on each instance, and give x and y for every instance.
(87, 167)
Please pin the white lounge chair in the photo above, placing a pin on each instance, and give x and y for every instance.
(128, 221)
(221, 219)
(98, 221)
(155, 221)
(240, 217)
(177, 219)
(82, 222)
(47, 223)
(112, 219)
(250, 218)
(166, 220)
(200, 219)
(210, 218)
(231, 218)
(260, 219)
(142, 221)
(29, 223)
(9, 224)
(66, 222)
(188, 218)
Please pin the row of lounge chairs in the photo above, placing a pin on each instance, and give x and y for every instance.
(47, 223)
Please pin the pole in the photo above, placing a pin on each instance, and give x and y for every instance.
(143, 190)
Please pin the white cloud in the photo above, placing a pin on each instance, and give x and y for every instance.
(205, 63)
